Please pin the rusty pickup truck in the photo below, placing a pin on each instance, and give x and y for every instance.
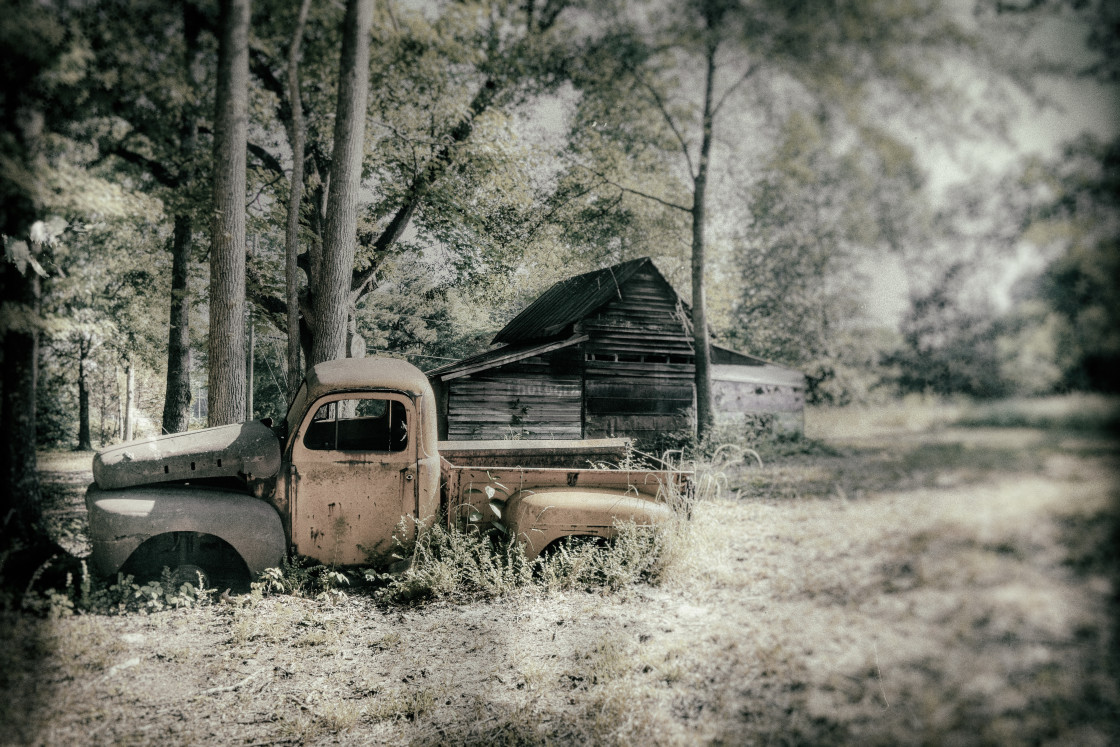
(355, 462)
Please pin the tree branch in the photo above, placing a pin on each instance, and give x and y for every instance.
(159, 172)
(661, 107)
(750, 71)
(637, 192)
(267, 160)
(422, 182)
(260, 67)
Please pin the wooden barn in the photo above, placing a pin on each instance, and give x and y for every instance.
(607, 353)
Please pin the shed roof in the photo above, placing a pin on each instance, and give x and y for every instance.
(501, 356)
(770, 373)
(568, 301)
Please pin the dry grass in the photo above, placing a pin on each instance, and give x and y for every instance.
(917, 583)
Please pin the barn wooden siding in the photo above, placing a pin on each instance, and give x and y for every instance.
(638, 361)
(539, 397)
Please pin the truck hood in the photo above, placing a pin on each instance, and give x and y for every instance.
(245, 450)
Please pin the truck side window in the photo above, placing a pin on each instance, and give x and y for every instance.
(358, 425)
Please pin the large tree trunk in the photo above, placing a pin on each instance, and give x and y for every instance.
(296, 138)
(129, 400)
(177, 395)
(85, 440)
(701, 343)
(331, 298)
(250, 367)
(20, 515)
(227, 233)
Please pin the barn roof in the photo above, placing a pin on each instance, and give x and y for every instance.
(501, 356)
(568, 301)
(732, 365)
(545, 326)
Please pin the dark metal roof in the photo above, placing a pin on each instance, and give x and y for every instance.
(569, 301)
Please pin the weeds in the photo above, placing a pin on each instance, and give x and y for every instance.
(91, 595)
(451, 563)
(407, 705)
(637, 554)
(464, 565)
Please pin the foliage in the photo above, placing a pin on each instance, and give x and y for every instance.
(949, 348)
(88, 594)
(1027, 303)
(803, 261)
(1082, 285)
(298, 576)
(637, 554)
(449, 563)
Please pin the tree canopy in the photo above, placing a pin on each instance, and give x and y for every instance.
(507, 145)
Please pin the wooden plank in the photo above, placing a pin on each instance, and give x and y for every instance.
(639, 389)
(637, 406)
(633, 425)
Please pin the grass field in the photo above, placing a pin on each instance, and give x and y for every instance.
(909, 574)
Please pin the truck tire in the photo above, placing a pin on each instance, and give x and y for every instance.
(186, 554)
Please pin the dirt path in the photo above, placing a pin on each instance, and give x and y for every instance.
(949, 586)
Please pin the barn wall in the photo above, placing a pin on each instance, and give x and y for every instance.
(638, 363)
(538, 398)
(781, 406)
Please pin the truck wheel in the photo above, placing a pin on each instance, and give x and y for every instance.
(187, 554)
(192, 574)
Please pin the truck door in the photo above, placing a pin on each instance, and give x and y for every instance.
(353, 476)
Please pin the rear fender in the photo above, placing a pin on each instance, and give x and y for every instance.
(121, 520)
(539, 518)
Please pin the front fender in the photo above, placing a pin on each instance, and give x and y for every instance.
(540, 517)
(120, 520)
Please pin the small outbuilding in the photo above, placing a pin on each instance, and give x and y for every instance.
(607, 353)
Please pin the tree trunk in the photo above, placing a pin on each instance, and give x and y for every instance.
(227, 232)
(250, 364)
(701, 343)
(331, 298)
(129, 399)
(177, 395)
(296, 137)
(20, 513)
(85, 440)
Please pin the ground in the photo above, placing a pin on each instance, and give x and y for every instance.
(894, 579)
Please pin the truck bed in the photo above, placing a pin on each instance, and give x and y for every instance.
(467, 489)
